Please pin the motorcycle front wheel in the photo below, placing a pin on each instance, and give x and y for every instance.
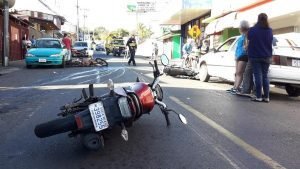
(101, 62)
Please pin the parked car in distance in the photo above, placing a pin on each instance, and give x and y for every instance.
(46, 51)
(82, 49)
(284, 70)
(115, 46)
(100, 49)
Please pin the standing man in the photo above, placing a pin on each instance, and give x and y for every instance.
(67, 42)
(154, 51)
(131, 43)
(32, 40)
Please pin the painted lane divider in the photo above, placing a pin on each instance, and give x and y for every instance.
(236, 140)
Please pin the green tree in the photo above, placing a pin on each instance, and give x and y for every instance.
(144, 32)
(101, 33)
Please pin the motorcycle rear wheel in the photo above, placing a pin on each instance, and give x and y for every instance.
(56, 126)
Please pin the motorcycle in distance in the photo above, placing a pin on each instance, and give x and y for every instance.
(90, 117)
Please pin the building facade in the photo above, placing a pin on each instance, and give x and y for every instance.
(226, 16)
(190, 13)
(18, 28)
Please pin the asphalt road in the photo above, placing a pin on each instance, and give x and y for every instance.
(223, 131)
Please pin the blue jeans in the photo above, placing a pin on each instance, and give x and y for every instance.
(248, 79)
(260, 71)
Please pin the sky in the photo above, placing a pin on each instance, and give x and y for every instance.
(111, 14)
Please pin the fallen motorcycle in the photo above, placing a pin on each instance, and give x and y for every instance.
(84, 62)
(91, 117)
(175, 70)
(81, 60)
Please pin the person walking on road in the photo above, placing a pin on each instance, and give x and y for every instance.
(67, 42)
(241, 57)
(154, 51)
(132, 45)
(260, 52)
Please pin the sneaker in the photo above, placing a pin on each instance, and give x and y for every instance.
(255, 99)
(229, 90)
(234, 91)
(267, 100)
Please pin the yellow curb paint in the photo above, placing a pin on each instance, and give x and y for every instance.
(236, 140)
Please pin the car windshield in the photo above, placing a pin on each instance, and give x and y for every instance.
(48, 44)
(118, 42)
(80, 44)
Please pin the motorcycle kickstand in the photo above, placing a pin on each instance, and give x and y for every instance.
(124, 132)
(166, 114)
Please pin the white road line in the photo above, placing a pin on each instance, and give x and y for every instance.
(236, 140)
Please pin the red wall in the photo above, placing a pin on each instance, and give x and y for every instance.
(16, 32)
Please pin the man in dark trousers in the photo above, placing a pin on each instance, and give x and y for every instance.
(131, 43)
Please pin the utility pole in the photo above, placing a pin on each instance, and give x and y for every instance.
(84, 20)
(77, 28)
(5, 53)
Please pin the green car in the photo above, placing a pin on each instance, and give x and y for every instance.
(46, 51)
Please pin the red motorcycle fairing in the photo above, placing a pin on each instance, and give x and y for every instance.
(144, 93)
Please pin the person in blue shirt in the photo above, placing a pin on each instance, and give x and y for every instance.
(186, 52)
(260, 39)
(32, 40)
(241, 56)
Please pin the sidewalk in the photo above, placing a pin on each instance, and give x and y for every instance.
(12, 67)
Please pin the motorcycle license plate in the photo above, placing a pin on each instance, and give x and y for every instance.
(98, 116)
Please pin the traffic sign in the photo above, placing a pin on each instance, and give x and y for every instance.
(194, 32)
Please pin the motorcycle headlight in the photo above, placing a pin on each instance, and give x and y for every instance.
(55, 55)
(29, 55)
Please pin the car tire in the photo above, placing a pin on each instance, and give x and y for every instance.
(292, 91)
(28, 66)
(203, 73)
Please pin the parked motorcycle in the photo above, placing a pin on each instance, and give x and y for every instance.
(91, 117)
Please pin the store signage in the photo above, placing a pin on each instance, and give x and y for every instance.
(141, 6)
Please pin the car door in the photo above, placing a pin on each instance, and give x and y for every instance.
(228, 61)
(220, 59)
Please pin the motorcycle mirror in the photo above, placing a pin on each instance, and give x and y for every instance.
(164, 60)
(110, 84)
(182, 119)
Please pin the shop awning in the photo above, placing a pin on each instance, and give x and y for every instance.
(167, 36)
(218, 25)
(185, 15)
(48, 25)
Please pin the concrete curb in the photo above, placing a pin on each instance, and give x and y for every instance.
(13, 66)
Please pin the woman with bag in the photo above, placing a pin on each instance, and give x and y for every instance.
(241, 57)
